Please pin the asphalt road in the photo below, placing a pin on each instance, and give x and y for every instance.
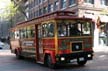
(8, 62)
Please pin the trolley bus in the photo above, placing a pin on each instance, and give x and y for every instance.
(55, 38)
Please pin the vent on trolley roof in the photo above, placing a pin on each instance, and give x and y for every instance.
(77, 46)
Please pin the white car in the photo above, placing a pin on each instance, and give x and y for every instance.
(1, 45)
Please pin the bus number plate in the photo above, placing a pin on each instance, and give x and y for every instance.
(73, 60)
(81, 59)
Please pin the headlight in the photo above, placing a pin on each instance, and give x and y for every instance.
(62, 58)
(89, 55)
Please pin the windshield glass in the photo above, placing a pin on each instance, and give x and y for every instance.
(74, 28)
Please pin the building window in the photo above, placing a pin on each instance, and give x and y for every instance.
(63, 4)
(56, 5)
(40, 1)
(104, 2)
(71, 2)
(27, 14)
(50, 8)
(33, 3)
(36, 13)
(44, 0)
(45, 10)
(40, 12)
(30, 6)
(30, 15)
(89, 1)
(33, 14)
(36, 2)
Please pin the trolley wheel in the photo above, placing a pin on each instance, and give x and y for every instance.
(18, 55)
(49, 62)
(81, 62)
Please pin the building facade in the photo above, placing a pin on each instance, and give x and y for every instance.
(83, 8)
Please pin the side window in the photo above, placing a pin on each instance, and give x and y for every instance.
(26, 36)
(44, 30)
(22, 33)
(30, 31)
(48, 29)
(17, 35)
(75, 29)
(86, 28)
(69, 28)
(12, 35)
(39, 31)
(62, 29)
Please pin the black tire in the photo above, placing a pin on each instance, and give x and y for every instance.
(18, 55)
(49, 62)
(81, 63)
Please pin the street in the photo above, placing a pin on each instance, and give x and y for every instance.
(8, 62)
(53, 31)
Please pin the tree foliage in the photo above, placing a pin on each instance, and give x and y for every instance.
(9, 11)
(21, 7)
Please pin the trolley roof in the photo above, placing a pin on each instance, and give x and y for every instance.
(57, 15)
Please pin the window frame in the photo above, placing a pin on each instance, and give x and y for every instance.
(68, 25)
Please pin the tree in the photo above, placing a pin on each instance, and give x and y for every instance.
(9, 11)
(13, 10)
(20, 7)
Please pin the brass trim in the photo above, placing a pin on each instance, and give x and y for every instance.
(56, 39)
(75, 37)
(47, 22)
(49, 48)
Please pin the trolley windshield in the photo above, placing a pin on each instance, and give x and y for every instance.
(72, 28)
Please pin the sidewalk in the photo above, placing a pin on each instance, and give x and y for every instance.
(100, 48)
(5, 53)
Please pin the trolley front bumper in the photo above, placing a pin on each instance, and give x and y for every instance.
(68, 58)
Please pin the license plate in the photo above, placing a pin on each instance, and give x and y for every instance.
(81, 59)
(73, 60)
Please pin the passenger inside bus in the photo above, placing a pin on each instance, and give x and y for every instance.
(62, 30)
(69, 29)
(74, 30)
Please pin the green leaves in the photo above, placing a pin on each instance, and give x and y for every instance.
(8, 11)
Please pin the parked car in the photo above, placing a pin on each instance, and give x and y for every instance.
(1, 45)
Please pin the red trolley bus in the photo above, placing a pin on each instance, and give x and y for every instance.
(55, 38)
